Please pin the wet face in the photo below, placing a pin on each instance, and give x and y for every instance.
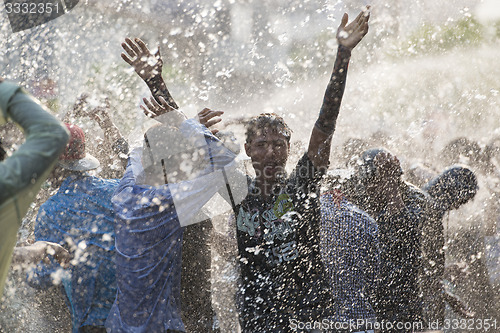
(268, 151)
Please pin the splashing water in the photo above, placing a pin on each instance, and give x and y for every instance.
(427, 72)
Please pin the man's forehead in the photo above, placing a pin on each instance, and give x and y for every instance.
(269, 134)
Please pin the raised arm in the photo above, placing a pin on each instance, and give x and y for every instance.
(77, 110)
(348, 36)
(45, 140)
(22, 174)
(111, 133)
(148, 66)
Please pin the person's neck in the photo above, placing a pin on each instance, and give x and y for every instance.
(265, 187)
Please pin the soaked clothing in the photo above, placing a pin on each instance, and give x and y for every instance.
(22, 174)
(450, 189)
(399, 298)
(149, 234)
(283, 277)
(350, 250)
(81, 218)
(433, 264)
(196, 297)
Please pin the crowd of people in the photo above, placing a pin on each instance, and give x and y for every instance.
(316, 250)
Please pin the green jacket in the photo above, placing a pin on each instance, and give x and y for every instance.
(22, 174)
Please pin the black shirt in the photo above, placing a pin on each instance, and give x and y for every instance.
(283, 278)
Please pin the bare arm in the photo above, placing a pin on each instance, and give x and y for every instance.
(348, 36)
(112, 134)
(148, 66)
(32, 254)
(77, 110)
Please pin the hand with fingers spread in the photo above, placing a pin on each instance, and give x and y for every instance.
(153, 109)
(209, 118)
(148, 66)
(78, 108)
(101, 114)
(350, 35)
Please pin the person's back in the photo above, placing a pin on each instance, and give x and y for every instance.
(399, 296)
(148, 243)
(22, 174)
(80, 217)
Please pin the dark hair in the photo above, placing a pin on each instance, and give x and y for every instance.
(264, 121)
(366, 168)
(461, 146)
(457, 184)
(166, 150)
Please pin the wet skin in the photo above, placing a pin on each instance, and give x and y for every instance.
(269, 153)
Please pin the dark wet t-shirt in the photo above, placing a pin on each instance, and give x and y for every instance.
(283, 279)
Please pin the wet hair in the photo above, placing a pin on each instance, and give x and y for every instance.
(265, 121)
(366, 168)
(461, 147)
(457, 184)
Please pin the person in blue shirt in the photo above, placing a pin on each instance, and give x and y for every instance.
(350, 251)
(79, 217)
(162, 192)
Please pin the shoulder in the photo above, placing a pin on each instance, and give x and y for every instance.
(415, 196)
(414, 192)
(345, 208)
(103, 183)
(363, 219)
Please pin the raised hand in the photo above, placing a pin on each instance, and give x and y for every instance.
(350, 35)
(208, 118)
(154, 109)
(78, 110)
(79, 106)
(146, 64)
(101, 114)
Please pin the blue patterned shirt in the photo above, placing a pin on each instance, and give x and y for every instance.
(350, 250)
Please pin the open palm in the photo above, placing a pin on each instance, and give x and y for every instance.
(350, 35)
(146, 64)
